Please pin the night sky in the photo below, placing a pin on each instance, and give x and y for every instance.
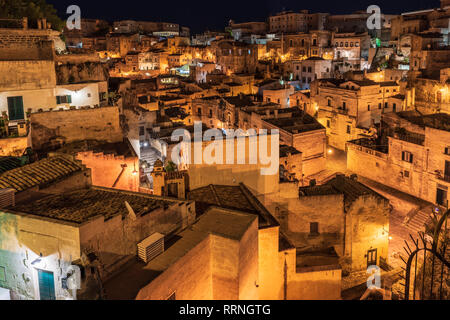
(202, 15)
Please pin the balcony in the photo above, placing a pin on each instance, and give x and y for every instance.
(341, 111)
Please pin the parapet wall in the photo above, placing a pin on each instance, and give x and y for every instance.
(59, 127)
(19, 44)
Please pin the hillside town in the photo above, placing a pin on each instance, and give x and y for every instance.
(318, 169)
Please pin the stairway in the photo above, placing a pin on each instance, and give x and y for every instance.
(418, 221)
(150, 155)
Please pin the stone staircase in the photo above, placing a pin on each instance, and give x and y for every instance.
(150, 155)
(417, 220)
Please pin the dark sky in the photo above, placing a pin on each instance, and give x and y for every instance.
(200, 15)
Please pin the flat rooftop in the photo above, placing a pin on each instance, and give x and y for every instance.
(82, 205)
(297, 122)
(217, 221)
(439, 121)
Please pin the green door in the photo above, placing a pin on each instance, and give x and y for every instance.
(46, 285)
(15, 108)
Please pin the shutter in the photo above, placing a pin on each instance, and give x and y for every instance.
(58, 100)
(69, 99)
(15, 108)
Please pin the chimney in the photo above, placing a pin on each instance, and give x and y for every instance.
(44, 23)
(25, 23)
(39, 24)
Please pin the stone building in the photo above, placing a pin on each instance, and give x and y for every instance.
(94, 230)
(432, 95)
(279, 93)
(315, 43)
(411, 155)
(308, 70)
(297, 129)
(235, 57)
(169, 183)
(350, 108)
(289, 22)
(283, 272)
(341, 216)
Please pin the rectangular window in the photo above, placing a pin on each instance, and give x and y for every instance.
(406, 174)
(344, 105)
(15, 108)
(407, 156)
(328, 124)
(314, 228)
(349, 129)
(379, 105)
(63, 99)
(447, 150)
(368, 107)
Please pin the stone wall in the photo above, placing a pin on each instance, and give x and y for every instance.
(27, 75)
(13, 146)
(190, 277)
(19, 44)
(270, 272)
(48, 128)
(107, 168)
(327, 211)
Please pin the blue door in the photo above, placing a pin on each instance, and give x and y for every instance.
(46, 285)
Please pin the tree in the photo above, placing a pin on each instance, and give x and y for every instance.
(32, 9)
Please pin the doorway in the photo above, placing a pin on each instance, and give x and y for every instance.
(46, 285)
(372, 257)
(441, 197)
